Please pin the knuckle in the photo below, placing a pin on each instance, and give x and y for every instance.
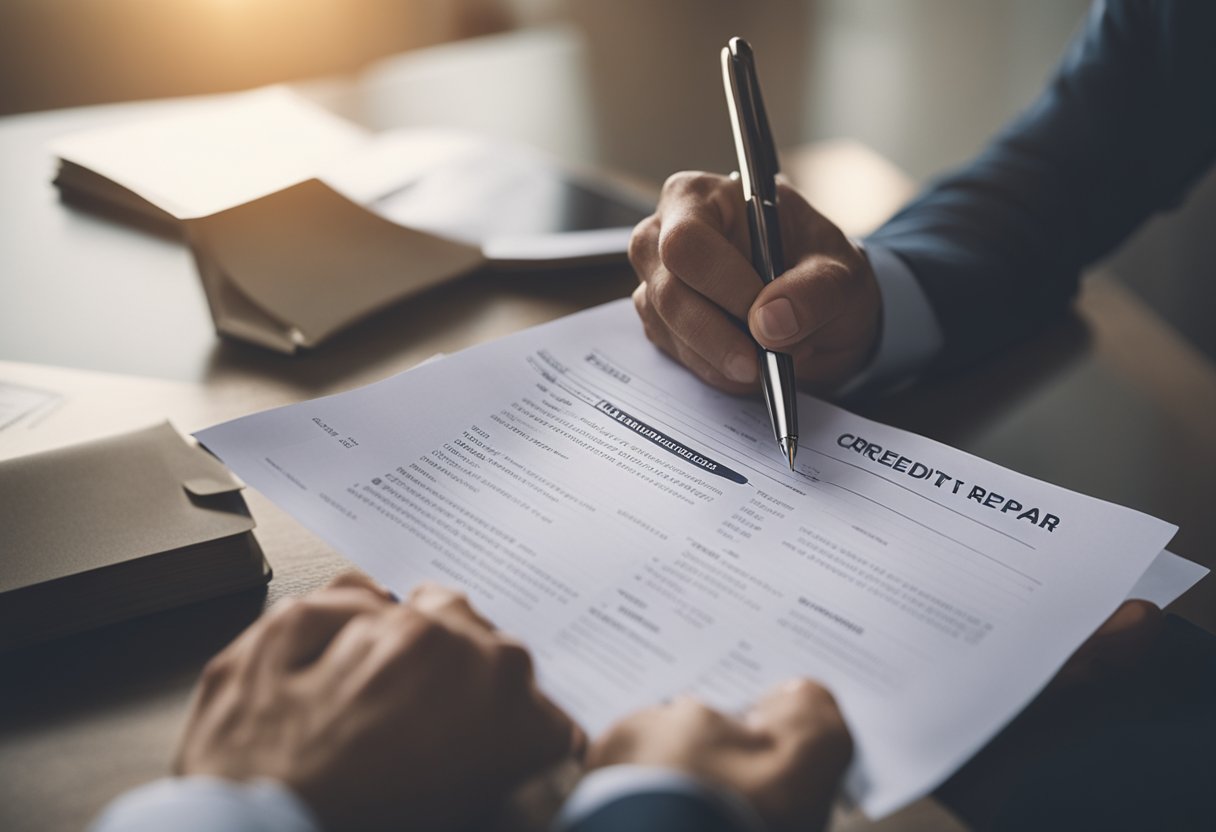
(677, 240)
(680, 182)
(285, 614)
(640, 303)
(421, 624)
(301, 613)
(217, 670)
(642, 242)
(824, 293)
(430, 597)
(425, 588)
(829, 274)
(348, 578)
(285, 606)
(826, 736)
(664, 293)
(512, 662)
(814, 696)
(696, 183)
(690, 711)
(556, 735)
(417, 630)
(218, 674)
(361, 628)
(448, 599)
(651, 324)
(841, 274)
(831, 744)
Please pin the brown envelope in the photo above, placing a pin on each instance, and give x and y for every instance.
(118, 527)
(294, 267)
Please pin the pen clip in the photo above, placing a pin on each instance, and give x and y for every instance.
(757, 157)
(754, 144)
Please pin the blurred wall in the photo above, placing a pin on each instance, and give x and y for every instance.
(61, 53)
(655, 75)
(926, 82)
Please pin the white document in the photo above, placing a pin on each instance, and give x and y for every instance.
(1168, 576)
(18, 401)
(641, 533)
(218, 153)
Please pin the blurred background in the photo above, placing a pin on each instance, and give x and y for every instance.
(630, 85)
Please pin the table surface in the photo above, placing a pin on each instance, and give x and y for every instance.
(1110, 402)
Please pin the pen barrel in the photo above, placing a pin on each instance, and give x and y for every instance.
(780, 393)
(777, 368)
(768, 259)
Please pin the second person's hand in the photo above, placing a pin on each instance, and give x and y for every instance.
(785, 757)
(696, 284)
(378, 715)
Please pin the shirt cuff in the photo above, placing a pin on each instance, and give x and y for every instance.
(909, 337)
(204, 804)
(606, 785)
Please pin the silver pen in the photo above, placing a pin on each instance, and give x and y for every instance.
(758, 169)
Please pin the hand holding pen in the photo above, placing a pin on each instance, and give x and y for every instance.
(697, 281)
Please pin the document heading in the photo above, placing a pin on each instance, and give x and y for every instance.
(940, 479)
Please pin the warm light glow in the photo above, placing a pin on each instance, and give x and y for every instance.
(851, 184)
(61, 54)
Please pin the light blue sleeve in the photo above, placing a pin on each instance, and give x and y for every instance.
(910, 336)
(603, 786)
(207, 804)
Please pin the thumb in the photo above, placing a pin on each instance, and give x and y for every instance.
(803, 301)
(801, 710)
(824, 312)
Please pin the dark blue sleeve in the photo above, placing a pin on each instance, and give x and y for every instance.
(659, 812)
(1125, 127)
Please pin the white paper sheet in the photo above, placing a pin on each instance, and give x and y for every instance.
(218, 153)
(1166, 578)
(641, 533)
(18, 401)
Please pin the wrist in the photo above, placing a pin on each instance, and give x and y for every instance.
(199, 802)
(611, 783)
(908, 336)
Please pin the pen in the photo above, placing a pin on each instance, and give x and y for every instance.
(758, 170)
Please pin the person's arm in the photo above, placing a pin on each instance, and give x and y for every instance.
(1122, 131)
(344, 709)
(641, 798)
(996, 248)
(206, 804)
(909, 337)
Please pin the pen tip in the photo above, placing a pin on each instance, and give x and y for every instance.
(790, 447)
